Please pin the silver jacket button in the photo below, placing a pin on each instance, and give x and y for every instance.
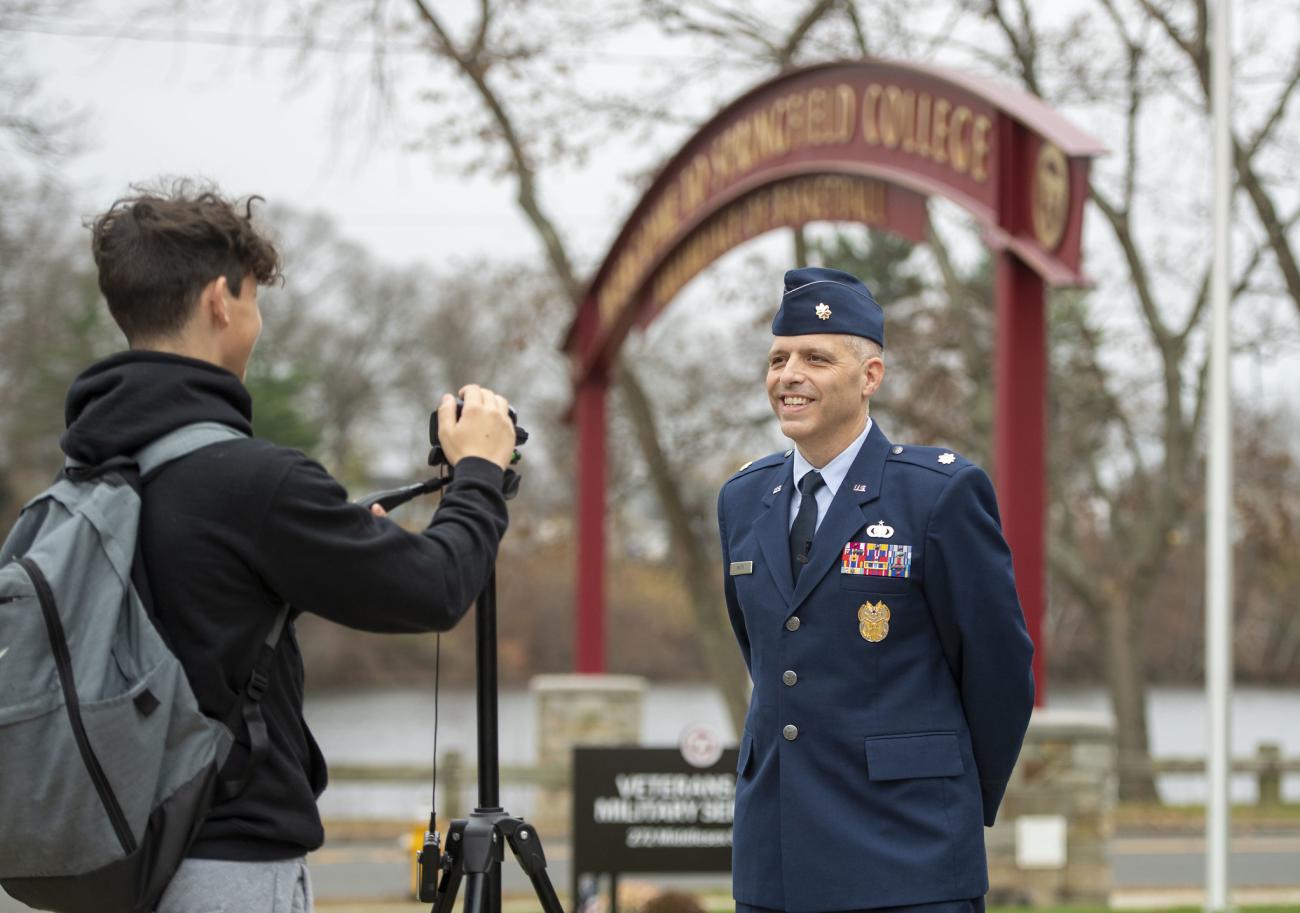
(789, 677)
(792, 623)
(791, 732)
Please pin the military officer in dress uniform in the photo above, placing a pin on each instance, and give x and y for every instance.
(872, 595)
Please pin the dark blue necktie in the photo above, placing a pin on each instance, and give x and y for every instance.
(805, 522)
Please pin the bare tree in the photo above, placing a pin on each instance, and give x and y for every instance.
(1132, 70)
(51, 325)
(1115, 524)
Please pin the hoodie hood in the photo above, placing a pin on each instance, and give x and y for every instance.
(118, 405)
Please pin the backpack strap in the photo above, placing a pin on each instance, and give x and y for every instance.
(249, 709)
(182, 441)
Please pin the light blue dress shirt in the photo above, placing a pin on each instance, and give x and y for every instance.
(833, 474)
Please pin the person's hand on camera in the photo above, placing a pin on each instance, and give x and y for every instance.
(483, 430)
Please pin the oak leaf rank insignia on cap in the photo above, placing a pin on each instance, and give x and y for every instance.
(818, 300)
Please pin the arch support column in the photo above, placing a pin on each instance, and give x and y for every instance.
(589, 631)
(1020, 446)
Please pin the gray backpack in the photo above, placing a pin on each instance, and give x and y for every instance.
(107, 765)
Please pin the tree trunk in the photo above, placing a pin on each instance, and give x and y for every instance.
(699, 565)
(1123, 655)
(800, 245)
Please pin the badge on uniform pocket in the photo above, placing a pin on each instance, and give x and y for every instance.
(741, 567)
(876, 559)
(873, 621)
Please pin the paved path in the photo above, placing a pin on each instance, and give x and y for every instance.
(1149, 870)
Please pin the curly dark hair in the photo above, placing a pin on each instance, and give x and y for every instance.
(158, 249)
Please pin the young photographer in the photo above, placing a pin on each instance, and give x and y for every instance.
(232, 532)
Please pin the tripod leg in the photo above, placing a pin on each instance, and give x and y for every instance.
(527, 846)
(453, 867)
(476, 893)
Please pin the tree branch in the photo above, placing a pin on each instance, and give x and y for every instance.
(851, 10)
(1279, 108)
(698, 565)
(801, 29)
(1268, 218)
(1243, 155)
(1093, 343)
(520, 165)
(1022, 48)
(481, 34)
(1159, 15)
(1119, 223)
(1134, 103)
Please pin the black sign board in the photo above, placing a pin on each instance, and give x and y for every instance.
(648, 810)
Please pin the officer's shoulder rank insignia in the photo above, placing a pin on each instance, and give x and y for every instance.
(754, 465)
(873, 621)
(946, 462)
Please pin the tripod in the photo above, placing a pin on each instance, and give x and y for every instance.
(476, 845)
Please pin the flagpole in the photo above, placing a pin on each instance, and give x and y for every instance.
(1218, 514)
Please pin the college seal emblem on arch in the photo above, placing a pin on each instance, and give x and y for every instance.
(1051, 208)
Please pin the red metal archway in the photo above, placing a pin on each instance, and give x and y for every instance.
(865, 141)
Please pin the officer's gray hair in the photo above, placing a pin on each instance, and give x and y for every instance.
(864, 348)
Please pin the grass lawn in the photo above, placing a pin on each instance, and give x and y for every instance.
(528, 906)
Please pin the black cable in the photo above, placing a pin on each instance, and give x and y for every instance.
(437, 674)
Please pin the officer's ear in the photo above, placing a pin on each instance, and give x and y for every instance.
(873, 374)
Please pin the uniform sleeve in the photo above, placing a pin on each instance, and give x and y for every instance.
(326, 555)
(971, 590)
(729, 591)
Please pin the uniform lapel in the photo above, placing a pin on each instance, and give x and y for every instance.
(845, 516)
(773, 527)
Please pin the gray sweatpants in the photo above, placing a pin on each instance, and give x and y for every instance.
(218, 886)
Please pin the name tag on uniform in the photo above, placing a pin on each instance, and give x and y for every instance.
(741, 567)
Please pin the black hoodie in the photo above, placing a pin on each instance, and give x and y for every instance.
(236, 529)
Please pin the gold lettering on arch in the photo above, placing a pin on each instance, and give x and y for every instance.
(838, 198)
(910, 122)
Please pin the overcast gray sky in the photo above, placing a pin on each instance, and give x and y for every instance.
(241, 117)
(266, 121)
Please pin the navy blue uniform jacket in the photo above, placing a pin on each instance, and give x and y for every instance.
(872, 758)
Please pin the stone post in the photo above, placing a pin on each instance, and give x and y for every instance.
(1049, 844)
(1270, 774)
(579, 710)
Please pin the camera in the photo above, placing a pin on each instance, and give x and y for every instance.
(395, 497)
(437, 457)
